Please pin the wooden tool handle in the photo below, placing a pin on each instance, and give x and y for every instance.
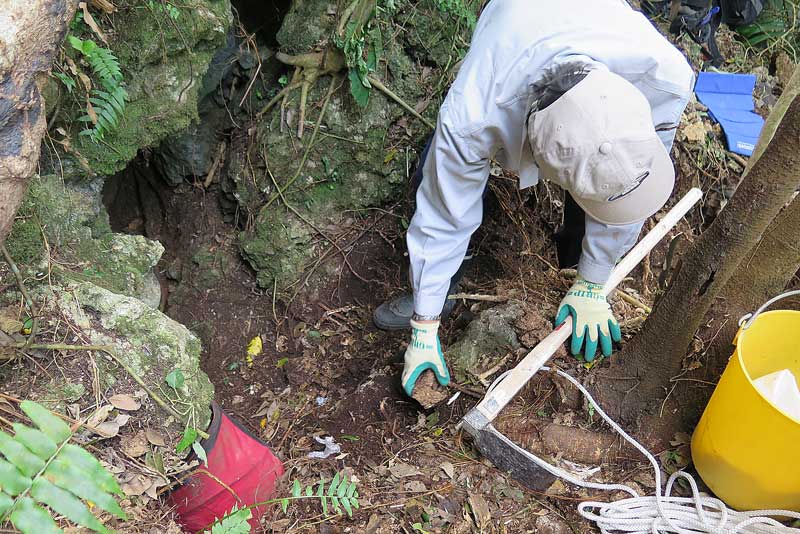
(496, 399)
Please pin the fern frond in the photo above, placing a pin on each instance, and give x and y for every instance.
(108, 102)
(41, 468)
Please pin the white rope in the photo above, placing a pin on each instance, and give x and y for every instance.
(664, 513)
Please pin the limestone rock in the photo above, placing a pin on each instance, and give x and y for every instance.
(486, 339)
(163, 63)
(148, 341)
(75, 223)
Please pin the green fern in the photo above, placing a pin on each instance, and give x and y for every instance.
(106, 104)
(340, 496)
(41, 467)
(235, 522)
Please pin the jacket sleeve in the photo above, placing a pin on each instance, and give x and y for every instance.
(449, 209)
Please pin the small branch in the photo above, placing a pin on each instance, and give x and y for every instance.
(475, 296)
(25, 295)
(302, 165)
(391, 94)
(630, 299)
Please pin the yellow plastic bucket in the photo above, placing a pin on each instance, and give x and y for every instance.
(746, 449)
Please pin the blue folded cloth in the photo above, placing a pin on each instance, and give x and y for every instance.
(729, 98)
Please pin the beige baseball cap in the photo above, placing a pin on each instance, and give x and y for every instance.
(598, 142)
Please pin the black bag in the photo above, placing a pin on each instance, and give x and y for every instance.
(700, 19)
(740, 12)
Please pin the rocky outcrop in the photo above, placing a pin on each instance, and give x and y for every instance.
(164, 50)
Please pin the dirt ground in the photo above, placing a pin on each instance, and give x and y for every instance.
(327, 371)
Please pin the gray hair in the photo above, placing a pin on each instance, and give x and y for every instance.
(556, 81)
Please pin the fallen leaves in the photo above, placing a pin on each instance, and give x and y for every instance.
(155, 438)
(480, 511)
(125, 402)
(134, 445)
(402, 470)
(254, 348)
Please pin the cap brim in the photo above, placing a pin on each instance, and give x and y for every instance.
(641, 203)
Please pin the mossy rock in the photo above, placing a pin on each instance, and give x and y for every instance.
(361, 157)
(163, 60)
(75, 224)
(147, 341)
(487, 339)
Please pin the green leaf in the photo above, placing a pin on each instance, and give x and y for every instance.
(200, 452)
(309, 491)
(54, 427)
(351, 489)
(342, 487)
(175, 379)
(335, 502)
(322, 499)
(35, 441)
(189, 437)
(6, 503)
(357, 89)
(235, 522)
(76, 43)
(347, 507)
(354, 502)
(81, 484)
(334, 484)
(28, 463)
(87, 463)
(296, 488)
(65, 504)
(284, 505)
(11, 480)
(31, 519)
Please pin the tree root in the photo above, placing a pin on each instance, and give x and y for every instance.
(25, 294)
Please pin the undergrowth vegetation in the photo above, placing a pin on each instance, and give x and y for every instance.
(775, 28)
(42, 468)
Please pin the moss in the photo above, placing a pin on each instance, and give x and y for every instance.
(163, 62)
(150, 344)
(25, 243)
(306, 26)
(77, 230)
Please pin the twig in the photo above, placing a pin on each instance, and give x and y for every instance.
(215, 165)
(738, 159)
(388, 92)
(475, 296)
(630, 299)
(110, 351)
(276, 98)
(25, 294)
(294, 178)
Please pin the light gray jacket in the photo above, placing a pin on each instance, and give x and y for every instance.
(483, 118)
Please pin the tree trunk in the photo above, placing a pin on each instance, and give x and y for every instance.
(30, 33)
(768, 267)
(655, 354)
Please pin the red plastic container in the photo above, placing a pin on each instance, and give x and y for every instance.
(236, 459)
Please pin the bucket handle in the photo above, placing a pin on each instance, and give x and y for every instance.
(747, 319)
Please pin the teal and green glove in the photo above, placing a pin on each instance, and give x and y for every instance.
(424, 352)
(592, 319)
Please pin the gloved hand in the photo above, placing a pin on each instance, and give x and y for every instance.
(592, 319)
(424, 352)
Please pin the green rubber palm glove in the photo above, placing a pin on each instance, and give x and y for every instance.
(592, 319)
(423, 353)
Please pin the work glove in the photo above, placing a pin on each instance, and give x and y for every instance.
(424, 352)
(592, 319)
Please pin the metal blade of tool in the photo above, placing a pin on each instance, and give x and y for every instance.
(503, 452)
